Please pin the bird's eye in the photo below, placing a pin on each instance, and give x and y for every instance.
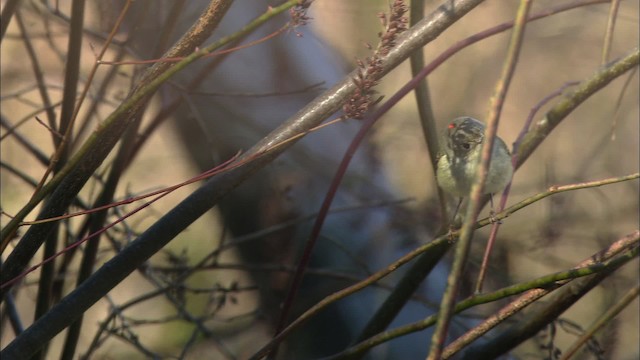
(466, 146)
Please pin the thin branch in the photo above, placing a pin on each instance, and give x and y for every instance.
(423, 102)
(24, 141)
(555, 190)
(466, 233)
(8, 10)
(37, 72)
(616, 113)
(608, 33)
(603, 320)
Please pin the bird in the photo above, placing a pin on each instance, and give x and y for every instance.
(460, 150)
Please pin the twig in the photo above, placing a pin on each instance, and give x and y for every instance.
(423, 102)
(608, 33)
(603, 320)
(37, 72)
(473, 208)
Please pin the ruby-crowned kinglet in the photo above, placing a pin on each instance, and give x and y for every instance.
(461, 146)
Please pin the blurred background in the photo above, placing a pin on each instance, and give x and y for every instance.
(599, 140)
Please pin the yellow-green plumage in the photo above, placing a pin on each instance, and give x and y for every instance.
(460, 149)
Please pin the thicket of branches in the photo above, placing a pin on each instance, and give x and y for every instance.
(72, 231)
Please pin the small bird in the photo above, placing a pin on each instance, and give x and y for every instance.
(461, 148)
